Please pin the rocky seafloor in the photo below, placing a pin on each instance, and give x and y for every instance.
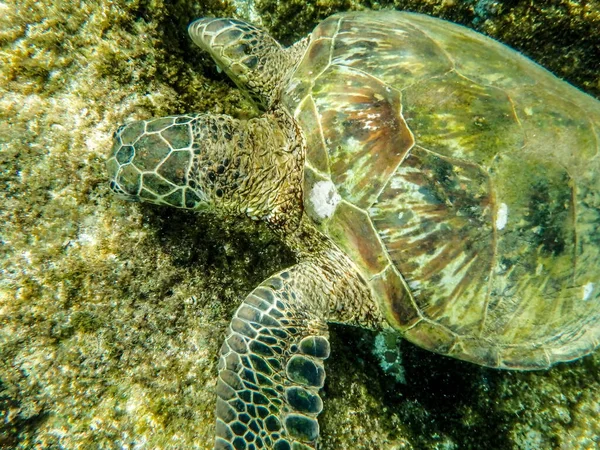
(112, 314)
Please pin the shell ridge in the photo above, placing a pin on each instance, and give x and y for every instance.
(434, 42)
(317, 171)
(400, 115)
(320, 130)
(330, 58)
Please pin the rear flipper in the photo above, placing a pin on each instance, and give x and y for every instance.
(271, 370)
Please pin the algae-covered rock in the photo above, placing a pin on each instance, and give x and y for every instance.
(112, 314)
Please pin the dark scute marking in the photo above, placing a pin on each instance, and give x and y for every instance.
(225, 392)
(549, 212)
(267, 340)
(282, 445)
(445, 187)
(316, 346)
(159, 124)
(270, 392)
(129, 179)
(303, 400)
(145, 194)
(260, 365)
(260, 348)
(274, 362)
(272, 424)
(249, 374)
(150, 151)
(262, 411)
(112, 167)
(176, 166)
(191, 198)
(265, 294)
(251, 62)
(239, 443)
(118, 130)
(237, 343)
(259, 399)
(183, 119)
(304, 371)
(269, 321)
(232, 360)
(179, 136)
(225, 412)
(130, 132)
(238, 428)
(263, 380)
(302, 427)
(250, 438)
(254, 427)
(238, 405)
(175, 198)
(232, 379)
(125, 154)
(223, 430)
(257, 300)
(230, 35)
(275, 283)
(245, 395)
(248, 313)
(242, 327)
(244, 418)
(276, 314)
(279, 333)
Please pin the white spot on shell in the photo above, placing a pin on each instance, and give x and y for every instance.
(502, 216)
(588, 288)
(324, 198)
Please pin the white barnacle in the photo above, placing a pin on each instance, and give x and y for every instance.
(502, 216)
(323, 199)
(588, 288)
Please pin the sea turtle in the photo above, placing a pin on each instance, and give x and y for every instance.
(427, 177)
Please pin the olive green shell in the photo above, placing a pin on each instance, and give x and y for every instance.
(467, 185)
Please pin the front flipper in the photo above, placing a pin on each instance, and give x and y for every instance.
(271, 370)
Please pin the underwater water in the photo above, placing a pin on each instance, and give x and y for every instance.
(112, 314)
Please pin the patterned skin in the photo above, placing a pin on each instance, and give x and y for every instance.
(427, 177)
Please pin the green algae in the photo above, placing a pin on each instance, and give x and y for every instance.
(112, 314)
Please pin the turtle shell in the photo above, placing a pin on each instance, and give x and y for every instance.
(462, 179)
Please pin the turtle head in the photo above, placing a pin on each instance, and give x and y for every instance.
(211, 162)
(249, 55)
(156, 161)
